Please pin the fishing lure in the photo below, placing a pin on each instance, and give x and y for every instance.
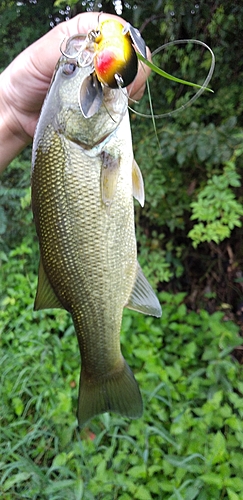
(110, 52)
(115, 60)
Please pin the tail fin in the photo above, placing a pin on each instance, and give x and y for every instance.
(117, 392)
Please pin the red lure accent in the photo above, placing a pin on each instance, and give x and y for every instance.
(114, 55)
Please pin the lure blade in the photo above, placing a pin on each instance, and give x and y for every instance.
(90, 96)
(136, 38)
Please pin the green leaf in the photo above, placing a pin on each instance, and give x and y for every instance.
(218, 448)
(232, 495)
(167, 75)
(59, 486)
(16, 479)
(213, 479)
(142, 493)
(60, 460)
(18, 405)
(137, 471)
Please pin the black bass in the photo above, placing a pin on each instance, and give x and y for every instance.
(84, 178)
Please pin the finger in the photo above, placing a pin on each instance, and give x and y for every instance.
(45, 52)
(137, 87)
(45, 59)
(82, 23)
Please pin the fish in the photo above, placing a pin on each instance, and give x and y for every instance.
(83, 180)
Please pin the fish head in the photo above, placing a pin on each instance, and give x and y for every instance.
(77, 104)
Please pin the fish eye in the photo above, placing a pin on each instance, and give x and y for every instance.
(69, 69)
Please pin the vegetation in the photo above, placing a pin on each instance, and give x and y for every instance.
(188, 445)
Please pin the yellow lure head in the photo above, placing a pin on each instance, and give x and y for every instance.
(115, 59)
(110, 55)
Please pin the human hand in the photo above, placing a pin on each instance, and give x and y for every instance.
(24, 84)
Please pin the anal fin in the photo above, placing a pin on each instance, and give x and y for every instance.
(143, 298)
(45, 295)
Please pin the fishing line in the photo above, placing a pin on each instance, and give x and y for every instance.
(150, 105)
(153, 116)
(198, 93)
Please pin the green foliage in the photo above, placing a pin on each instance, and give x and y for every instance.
(216, 208)
(21, 24)
(196, 172)
(187, 445)
(15, 213)
(188, 188)
(196, 144)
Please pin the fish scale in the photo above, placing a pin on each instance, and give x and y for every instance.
(87, 243)
(84, 241)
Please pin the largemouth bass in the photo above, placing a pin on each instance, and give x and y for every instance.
(83, 180)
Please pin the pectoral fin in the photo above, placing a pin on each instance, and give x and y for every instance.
(45, 295)
(137, 183)
(109, 177)
(143, 298)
